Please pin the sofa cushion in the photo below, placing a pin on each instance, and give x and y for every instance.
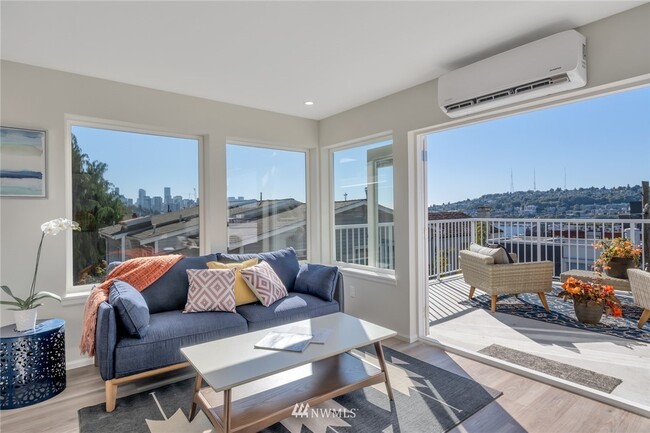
(499, 255)
(317, 280)
(243, 293)
(210, 290)
(169, 292)
(264, 282)
(284, 262)
(168, 332)
(295, 306)
(131, 308)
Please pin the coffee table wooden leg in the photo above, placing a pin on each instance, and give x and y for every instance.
(227, 404)
(197, 388)
(382, 365)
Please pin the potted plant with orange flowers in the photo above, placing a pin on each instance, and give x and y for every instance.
(617, 256)
(591, 300)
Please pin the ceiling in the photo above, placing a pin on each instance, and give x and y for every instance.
(277, 55)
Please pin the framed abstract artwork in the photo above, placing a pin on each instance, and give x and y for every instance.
(22, 162)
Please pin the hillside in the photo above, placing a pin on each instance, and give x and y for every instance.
(554, 203)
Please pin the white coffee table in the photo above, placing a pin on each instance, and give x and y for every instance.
(268, 384)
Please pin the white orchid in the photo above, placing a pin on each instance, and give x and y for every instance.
(53, 227)
(58, 225)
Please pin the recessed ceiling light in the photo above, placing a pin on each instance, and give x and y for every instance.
(309, 102)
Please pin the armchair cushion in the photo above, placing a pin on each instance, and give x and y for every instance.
(499, 255)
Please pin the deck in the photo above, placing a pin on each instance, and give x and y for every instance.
(461, 325)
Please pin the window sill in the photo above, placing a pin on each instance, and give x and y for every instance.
(369, 275)
(75, 298)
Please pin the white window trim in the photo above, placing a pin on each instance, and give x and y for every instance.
(76, 292)
(370, 272)
(309, 161)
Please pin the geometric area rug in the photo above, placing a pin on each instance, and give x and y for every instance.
(528, 305)
(427, 399)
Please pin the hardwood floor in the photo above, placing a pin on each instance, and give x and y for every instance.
(525, 406)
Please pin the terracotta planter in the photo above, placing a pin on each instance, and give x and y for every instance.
(588, 312)
(25, 319)
(618, 267)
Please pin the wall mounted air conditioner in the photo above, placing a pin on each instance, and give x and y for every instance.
(550, 65)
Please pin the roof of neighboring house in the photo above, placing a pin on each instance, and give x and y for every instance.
(447, 215)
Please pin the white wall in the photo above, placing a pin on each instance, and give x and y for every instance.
(618, 50)
(40, 98)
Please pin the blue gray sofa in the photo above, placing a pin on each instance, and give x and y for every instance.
(122, 358)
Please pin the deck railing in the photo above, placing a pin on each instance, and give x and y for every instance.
(568, 243)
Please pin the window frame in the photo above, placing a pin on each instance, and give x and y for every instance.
(79, 291)
(308, 154)
(369, 140)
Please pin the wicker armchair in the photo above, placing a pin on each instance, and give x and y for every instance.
(640, 286)
(480, 272)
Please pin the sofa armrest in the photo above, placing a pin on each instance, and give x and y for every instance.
(339, 295)
(105, 340)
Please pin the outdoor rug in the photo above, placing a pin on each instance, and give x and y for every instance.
(578, 375)
(529, 306)
(427, 399)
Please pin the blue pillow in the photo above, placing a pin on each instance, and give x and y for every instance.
(169, 292)
(317, 280)
(131, 308)
(284, 263)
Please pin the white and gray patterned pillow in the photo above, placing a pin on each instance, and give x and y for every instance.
(265, 283)
(210, 290)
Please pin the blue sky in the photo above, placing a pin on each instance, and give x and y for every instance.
(275, 173)
(600, 142)
(136, 161)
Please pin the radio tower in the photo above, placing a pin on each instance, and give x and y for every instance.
(534, 180)
(512, 182)
(564, 177)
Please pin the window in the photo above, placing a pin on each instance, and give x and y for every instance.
(267, 208)
(133, 195)
(363, 205)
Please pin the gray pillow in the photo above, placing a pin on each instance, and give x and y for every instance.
(499, 255)
(169, 292)
(317, 280)
(284, 262)
(131, 309)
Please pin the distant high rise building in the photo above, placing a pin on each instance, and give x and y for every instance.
(157, 204)
(141, 195)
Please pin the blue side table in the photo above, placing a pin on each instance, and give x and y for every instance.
(32, 363)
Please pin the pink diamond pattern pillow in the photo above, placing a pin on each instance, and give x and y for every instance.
(210, 290)
(265, 283)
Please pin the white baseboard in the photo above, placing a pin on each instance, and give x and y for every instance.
(406, 338)
(78, 363)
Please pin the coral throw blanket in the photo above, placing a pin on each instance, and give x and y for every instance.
(140, 272)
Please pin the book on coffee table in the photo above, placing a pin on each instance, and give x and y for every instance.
(284, 341)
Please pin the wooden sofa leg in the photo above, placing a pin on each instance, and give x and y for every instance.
(644, 318)
(111, 395)
(471, 291)
(494, 303)
(542, 297)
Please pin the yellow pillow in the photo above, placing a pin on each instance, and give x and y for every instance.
(243, 293)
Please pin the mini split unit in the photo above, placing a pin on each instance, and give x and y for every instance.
(550, 65)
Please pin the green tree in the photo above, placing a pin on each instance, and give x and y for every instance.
(95, 204)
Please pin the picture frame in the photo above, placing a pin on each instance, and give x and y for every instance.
(23, 162)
